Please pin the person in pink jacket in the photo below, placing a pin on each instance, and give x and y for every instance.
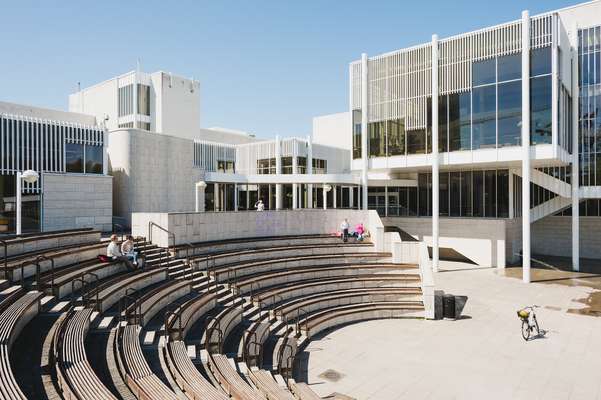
(359, 231)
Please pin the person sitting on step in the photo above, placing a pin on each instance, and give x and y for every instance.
(127, 249)
(113, 252)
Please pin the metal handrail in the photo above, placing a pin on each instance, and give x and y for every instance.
(298, 310)
(95, 276)
(168, 328)
(169, 233)
(5, 258)
(38, 271)
(259, 355)
(124, 303)
(245, 343)
(216, 326)
(73, 282)
(23, 265)
(281, 356)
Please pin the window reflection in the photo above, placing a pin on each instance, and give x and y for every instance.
(510, 113)
(484, 118)
(540, 110)
(483, 72)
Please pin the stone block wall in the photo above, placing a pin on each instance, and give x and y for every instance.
(77, 201)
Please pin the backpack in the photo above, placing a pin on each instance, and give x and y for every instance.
(103, 258)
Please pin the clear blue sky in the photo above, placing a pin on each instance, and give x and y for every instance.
(264, 66)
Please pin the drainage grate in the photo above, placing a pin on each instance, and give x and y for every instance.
(331, 375)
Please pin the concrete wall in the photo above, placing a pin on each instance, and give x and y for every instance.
(333, 130)
(77, 201)
(177, 105)
(199, 227)
(553, 236)
(152, 173)
(481, 240)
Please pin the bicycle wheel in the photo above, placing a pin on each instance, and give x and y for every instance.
(536, 326)
(525, 330)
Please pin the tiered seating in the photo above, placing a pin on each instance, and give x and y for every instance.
(267, 384)
(225, 371)
(138, 376)
(302, 391)
(151, 302)
(76, 377)
(13, 319)
(34, 242)
(187, 376)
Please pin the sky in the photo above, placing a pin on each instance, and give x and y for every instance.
(265, 66)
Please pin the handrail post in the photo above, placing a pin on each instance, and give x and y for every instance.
(5, 258)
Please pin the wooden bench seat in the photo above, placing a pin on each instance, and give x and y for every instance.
(76, 377)
(272, 295)
(325, 319)
(194, 385)
(257, 282)
(213, 246)
(138, 376)
(37, 242)
(13, 319)
(190, 312)
(62, 257)
(264, 381)
(230, 379)
(151, 302)
(109, 293)
(302, 391)
(238, 270)
(307, 304)
(246, 255)
(219, 327)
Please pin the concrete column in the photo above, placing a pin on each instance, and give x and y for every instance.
(235, 197)
(350, 197)
(19, 204)
(216, 198)
(325, 197)
(309, 169)
(364, 120)
(511, 205)
(575, 162)
(200, 196)
(435, 160)
(247, 197)
(295, 171)
(278, 171)
(334, 193)
(386, 200)
(525, 146)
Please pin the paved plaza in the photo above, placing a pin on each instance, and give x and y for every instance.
(482, 355)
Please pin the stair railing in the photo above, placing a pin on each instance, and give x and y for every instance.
(296, 325)
(5, 245)
(38, 269)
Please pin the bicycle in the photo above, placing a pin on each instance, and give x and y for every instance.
(529, 322)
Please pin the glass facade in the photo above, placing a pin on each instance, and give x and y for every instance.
(356, 134)
(589, 116)
(30, 211)
(81, 158)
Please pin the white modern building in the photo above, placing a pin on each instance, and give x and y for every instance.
(68, 151)
(485, 125)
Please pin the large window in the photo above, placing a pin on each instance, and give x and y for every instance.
(377, 139)
(356, 134)
(460, 124)
(510, 113)
(74, 156)
(484, 72)
(320, 166)
(266, 166)
(94, 160)
(416, 141)
(226, 166)
(287, 165)
(484, 117)
(144, 100)
(126, 100)
(395, 138)
(540, 110)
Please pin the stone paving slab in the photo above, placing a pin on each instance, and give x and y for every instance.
(481, 356)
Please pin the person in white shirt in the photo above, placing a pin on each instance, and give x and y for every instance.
(344, 229)
(113, 252)
(259, 205)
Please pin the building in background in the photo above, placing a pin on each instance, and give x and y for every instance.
(497, 133)
(68, 150)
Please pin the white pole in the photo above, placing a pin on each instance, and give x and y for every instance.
(525, 147)
(364, 120)
(575, 163)
(435, 160)
(278, 171)
(235, 197)
(325, 198)
(18, 189)
(309, 171)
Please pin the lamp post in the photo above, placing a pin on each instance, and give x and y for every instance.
(326, 189)
(29, 176)
(200, 200)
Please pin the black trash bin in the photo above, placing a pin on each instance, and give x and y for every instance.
(448, 306)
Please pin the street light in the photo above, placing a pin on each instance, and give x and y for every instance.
(326, 189)
(29, 176)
